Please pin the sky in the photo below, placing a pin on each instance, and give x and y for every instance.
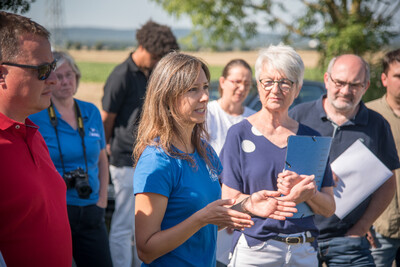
(114, 14)
(119, 14)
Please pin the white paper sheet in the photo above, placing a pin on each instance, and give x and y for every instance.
(360, 173)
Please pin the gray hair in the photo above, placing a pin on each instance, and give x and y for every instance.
(64, 57)
(283, 59)
(364, 63)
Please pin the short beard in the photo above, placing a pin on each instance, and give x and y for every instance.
(346, 107)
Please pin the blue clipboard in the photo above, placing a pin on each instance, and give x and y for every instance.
(307, 155)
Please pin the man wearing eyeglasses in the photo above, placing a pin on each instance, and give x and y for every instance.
(342, 114)
(34, 228)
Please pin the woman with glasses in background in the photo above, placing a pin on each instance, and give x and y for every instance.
(74, 134)
(234, 86)
(253, 157)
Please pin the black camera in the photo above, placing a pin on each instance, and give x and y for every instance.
(79, 180)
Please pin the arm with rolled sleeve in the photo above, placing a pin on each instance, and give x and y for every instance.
(382, 197)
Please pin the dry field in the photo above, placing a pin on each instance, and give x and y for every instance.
(310, 58)
(92, 92)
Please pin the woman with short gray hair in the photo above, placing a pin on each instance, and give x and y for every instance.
(253, 157)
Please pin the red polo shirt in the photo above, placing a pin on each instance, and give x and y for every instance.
(34, 227)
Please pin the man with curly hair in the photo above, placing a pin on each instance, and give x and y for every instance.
(122, 104)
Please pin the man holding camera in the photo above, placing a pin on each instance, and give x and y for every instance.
(34, 228)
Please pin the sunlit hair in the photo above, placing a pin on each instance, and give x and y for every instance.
(389, 58)
(12, 27)
(364, 63)
(64, 57)
(230, 65)
(283, 59)
(173, 76)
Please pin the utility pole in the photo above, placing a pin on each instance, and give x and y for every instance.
(55, 22)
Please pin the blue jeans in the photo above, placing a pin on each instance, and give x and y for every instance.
(345, 251)
(386, 250)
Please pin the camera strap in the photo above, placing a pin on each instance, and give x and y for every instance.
(81, 130)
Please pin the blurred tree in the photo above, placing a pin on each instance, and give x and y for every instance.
(339, 26)
(16, 6)
(77, 45)
(99, 45)
(69, 45)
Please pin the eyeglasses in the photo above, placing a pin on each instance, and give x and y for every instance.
(43, 70)
(340, 84)
(283, 84)
(68, 75)
(245, 84)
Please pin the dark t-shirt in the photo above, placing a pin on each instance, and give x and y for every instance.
(367, 125)
(124, 95)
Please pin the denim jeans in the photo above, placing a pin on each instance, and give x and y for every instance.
(345, 251)
(386, 250)
(89, 236)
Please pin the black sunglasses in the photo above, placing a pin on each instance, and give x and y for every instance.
(44, 70)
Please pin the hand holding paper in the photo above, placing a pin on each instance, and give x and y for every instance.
(360, 173)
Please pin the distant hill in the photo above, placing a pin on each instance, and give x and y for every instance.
(120, 39)
(114, 38)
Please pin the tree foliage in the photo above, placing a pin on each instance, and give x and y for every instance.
(16, 6)
(339, 26)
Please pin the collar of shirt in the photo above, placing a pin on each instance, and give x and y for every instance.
(6, 124)
(361, 117)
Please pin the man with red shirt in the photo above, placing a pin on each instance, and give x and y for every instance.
(34, 229)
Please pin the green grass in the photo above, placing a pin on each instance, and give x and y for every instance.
(314, 74)
(215, 72)
(99, 72)
(95, 71)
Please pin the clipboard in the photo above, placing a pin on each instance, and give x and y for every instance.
(307, 155)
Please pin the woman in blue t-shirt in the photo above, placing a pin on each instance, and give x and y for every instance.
(253, 157)
(74, 134)
(178, 207)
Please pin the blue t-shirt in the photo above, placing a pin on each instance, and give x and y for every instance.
(71, 147)
(252, 163)
(188, 190)
(367, 125)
